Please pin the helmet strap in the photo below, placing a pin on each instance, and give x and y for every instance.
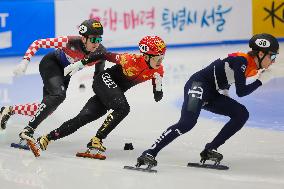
(85, 45)
(148, 61)
(261, 59)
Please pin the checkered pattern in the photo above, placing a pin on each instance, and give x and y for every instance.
(59, 42)
(26, 109)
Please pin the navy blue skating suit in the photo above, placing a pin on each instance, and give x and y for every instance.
(201, 92)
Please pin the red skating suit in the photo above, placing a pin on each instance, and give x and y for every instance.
(130, 70)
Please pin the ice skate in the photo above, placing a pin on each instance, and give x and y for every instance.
(145, 159)
(34, 148)
(210, 155)
(94, 144)
(5, 114)
(27, 134)
(43, 142)
(22, 144)
(97, 144)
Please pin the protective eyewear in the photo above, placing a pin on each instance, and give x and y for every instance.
(273, 56)
(96, 39)
(158, 58)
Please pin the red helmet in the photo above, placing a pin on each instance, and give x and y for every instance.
(152, 45)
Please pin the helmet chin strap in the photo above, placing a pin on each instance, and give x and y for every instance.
(148, 61)
(85, 45)
(260, 60)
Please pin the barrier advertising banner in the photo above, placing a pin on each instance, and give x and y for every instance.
(178, 22)
(268, 17)
(22, 22)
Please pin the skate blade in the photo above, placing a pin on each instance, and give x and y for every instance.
(140, 169)
(208, 166)
(92, 156)
(20, 146)
(33, 148)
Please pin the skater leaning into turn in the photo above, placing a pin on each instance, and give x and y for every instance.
(109, 87)
(69, 50)
(201, 92)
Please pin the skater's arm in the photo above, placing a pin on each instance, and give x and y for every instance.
(109, 56)
(157, 86)
(96, 58)
(99, 64)
(93, 59)
(243, 89)
(34, 47)
(47, 43)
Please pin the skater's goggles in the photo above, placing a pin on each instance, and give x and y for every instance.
(158, 58)
(273, 56)
(96, 39)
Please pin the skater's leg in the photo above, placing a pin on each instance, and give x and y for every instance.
(22, 109)
(5, 114)
(54, 89)
(121, 109)
(186, 123)
(113, 98)
(93, 110)
(189, 114)
(25, 109)
(238, 116)
(28, 109)
(54, 83)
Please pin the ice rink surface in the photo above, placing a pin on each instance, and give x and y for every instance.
(255, 154)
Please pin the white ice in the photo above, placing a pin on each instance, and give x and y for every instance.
(255, 156)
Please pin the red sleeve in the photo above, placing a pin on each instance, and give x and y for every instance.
(113, 57)
(47, 43)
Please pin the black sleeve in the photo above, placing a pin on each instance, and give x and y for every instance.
(95, 56)
(99, 67)
(239, 65)
(158, 95)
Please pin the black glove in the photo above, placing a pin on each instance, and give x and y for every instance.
(158, 95)
(94, 56)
